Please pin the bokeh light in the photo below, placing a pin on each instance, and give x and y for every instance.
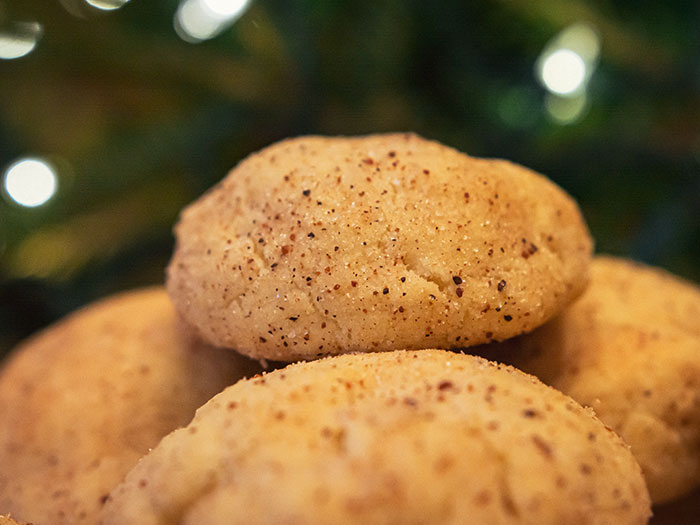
(563, 72)
(107, 5)
(569, 59)
(199, 20)
(583, 39)
(225, 8)
(19, 39)
(30, 182)
(564, 69)
(194, 24)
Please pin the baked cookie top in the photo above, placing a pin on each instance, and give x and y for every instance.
(317, 246)
(83, 400)
(629, 348)
(425, 436)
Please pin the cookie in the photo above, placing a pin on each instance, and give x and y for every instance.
(425, 436)
(629, 348)
(84, 399)
(318, 246)
(7, 520)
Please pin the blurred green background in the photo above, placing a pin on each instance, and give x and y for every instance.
(138, 107)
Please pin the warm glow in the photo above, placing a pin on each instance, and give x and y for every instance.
(198, 20)
(19, 40)
(563, 72)
(30, 182)
(107, 5)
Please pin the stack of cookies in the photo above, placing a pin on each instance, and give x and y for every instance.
(381, 267)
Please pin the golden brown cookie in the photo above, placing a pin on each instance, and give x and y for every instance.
(396, 437)
(318, 246)
(629, 348)
(83, 400)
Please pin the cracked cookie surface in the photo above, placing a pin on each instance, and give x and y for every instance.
(426, 436)
(317, 246)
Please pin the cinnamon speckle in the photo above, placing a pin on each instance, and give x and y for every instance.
(542, 446)
(528, 250)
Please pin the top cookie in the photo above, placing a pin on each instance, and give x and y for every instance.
(318, 246)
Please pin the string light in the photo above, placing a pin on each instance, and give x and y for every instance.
(199, 20)
(30, 182)
(563, 72)
(19, 39)
(107, 5)
(564, 69)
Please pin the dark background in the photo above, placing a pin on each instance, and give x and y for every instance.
(139, 122)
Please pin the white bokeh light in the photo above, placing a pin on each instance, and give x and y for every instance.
(30, 182)
(195, 24)
(199, 20)
(225, 8)
(19, 39)
(567, 63)
(563, 72)
(107, 5)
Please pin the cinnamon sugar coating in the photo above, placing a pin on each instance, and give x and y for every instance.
(317, 246)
